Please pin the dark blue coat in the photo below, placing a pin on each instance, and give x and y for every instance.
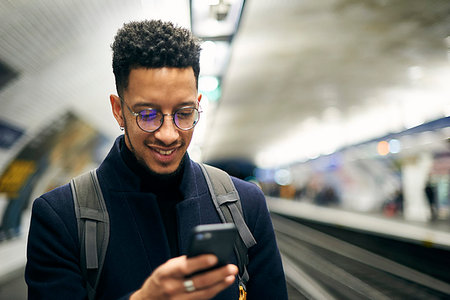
(138, 244)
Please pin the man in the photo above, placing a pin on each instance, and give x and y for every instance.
(153, 192)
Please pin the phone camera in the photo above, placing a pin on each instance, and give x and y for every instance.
(203, 236)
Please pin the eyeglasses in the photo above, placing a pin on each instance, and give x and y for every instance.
(150, 120)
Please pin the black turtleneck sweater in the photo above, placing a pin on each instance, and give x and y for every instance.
(166, 189)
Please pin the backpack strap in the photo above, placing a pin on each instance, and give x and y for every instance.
(228, 205)
(93, 227)
(93, 222)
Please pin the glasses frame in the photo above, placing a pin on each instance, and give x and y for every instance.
(163, 117)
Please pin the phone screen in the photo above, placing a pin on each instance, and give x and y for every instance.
(217, 239)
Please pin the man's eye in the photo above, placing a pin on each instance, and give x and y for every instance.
(185, 113)
(148, 114)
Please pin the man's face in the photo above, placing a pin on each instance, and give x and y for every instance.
(165, 89)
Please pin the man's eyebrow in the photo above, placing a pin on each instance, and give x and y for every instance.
(188, 103)
(145, 105)
(155, 106)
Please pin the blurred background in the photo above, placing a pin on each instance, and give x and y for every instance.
(338, 109)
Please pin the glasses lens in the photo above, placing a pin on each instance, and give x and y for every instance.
(186, 118)
(149, 119)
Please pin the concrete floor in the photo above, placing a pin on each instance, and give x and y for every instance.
(14, 289)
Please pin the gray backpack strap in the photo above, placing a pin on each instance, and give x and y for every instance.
(93, 227)
(228, 205)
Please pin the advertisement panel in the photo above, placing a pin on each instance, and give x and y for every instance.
(63, 150)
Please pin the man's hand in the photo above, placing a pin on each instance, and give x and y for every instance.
(168, 280)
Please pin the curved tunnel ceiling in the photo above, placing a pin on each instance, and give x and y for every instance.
(304, 78)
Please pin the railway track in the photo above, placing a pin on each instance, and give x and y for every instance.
(320, 266)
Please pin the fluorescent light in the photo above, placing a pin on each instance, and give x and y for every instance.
(214, 57)
(215, 19)
(208, 83)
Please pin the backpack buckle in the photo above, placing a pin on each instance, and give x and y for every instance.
(242, 293)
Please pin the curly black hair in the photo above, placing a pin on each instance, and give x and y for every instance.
(153, 44)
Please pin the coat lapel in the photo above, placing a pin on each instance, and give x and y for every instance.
(188, 213)
(197, 207)
(136, 217)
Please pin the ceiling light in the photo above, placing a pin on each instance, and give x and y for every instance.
(383, 148)
(214, 58)
(208, 83)
(215, 19)
(394, 146)
(209, 86)
(283, 177)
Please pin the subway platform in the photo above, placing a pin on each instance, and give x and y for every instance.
(370, 230)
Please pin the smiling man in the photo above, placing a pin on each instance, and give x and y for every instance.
(154, 193)
(155, 94)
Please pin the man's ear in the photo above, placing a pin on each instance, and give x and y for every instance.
(199, 98)
(116, 107)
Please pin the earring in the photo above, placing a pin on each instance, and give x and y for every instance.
(121, 128)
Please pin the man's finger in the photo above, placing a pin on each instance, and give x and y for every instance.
(198, 263)
(213, 277)
(211, 291)
(182, 266)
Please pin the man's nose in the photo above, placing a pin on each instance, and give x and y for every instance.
(168, 132)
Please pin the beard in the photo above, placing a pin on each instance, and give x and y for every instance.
(141, 161)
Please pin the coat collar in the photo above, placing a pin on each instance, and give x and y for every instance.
(123, 183)
(116, 172)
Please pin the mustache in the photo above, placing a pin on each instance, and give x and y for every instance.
(157, 143)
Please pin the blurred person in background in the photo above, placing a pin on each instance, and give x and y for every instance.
(155, 194)
(431, 198)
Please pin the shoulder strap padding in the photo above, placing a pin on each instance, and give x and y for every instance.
(226, 195)
(228, 205)
(93, 226)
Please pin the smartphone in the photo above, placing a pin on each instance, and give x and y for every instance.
(217, 239)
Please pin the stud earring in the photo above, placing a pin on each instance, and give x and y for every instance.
(121, 128)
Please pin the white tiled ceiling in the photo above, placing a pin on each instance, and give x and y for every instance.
(292, 60)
